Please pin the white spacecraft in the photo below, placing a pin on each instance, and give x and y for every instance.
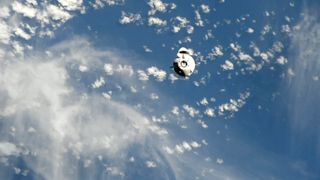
(184, 64)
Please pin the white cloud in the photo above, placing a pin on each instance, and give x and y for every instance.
(155, 21)
(285, 28)
(195, 144)
(151, 164)
(159, 74)
(219, 161)
(98, 83)
(234, 104)
(25, 10)
(83, 68)
(5, 32)
(303, 87)
(245, 57)
(190, 110)
(158, 130)
(115, 171)
(147, 49)
(202, 123)
(71, 5)
(126, 70)
(154, 96)
(205, 8)
(57, 13)
(8, 149)
(228, 65)
(264, 56)
(175, 110)
(209, 112)
(266, 29)
(186, 146)
(101, 3)
(17, 48)
(168, 150)
(127, 18)
(282, 60)
(142, 75)
(204, 102)
(21, 33)
(172, 78)
(32, 2)
(108, 68)
(4, 12)
(235, 47)
(256, 50)
(290, 73)
(157, 5)
(250, 30)
(208, 35)
(216, 51)
(179, 23)
(199, 21)
(179, 148)
(183, 147)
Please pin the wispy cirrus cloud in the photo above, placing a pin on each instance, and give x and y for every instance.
(303, 76)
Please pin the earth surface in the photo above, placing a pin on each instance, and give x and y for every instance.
(87, 90)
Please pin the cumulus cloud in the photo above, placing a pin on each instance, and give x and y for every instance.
(234, 104)
(216, 51)
(25, 10)
(198, 19)
(250, 30)
(190, 110)
(228, 65)
(147, 49)
(205, 8)
(98, 83)
(142, 75)
(108, 68)
(245, 57)
(159, 74)
(209, 112)
(155, 21)
(71, 4)
(127, 18)
(157, 5)
(58, 14)
(101, 3)
(179, 23)
(22, 34)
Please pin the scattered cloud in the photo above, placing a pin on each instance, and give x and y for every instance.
(155, 21)
(159, 74)
(157, 5)
(128, 18)
(71, 5)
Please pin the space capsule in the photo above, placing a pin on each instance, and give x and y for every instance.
(184, 64)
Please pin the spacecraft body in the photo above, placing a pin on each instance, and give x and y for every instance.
(184, 63)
